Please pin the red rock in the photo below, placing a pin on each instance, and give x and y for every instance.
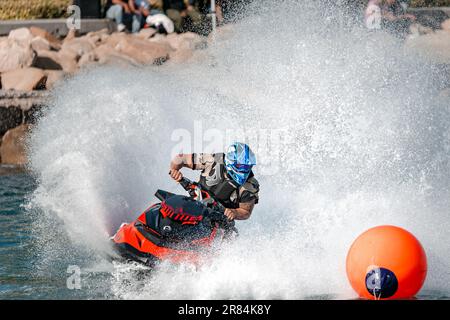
(146, 33)
(105, 54)
(143, 51)
(14, 55)
(78, 46)
(67, 60)
(446, 25)
(98, 37)
(87, 59)
(53, 77)
(115, 38)
(52, 40)
(70, 35)
(25, 79)
(13, 146)
(22, 35)
(39, 43)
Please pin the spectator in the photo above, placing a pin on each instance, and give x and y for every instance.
(219, 12)
(115, 10)
(395, 19)
(204, 6)
(161, 23)
(390, 15)
(178, 10)
(141, 9)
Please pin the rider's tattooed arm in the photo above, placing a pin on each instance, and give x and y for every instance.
(242, 213)
(178, 162)
(182, 160)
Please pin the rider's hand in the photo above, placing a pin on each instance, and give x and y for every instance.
(230, 214)
(176, 175)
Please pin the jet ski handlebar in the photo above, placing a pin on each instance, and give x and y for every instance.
(214, 212)
(196, 191)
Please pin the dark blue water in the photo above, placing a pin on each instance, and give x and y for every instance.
(16, 253)
(35, 254)
(28, 267)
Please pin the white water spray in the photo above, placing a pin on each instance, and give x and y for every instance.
(366, 143)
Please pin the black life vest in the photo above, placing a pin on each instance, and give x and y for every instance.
(221, 186)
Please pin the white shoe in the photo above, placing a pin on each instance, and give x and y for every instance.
(121, 27)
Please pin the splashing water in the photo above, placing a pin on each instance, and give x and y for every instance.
(364, 141)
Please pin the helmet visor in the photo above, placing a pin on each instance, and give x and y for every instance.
(243, 167)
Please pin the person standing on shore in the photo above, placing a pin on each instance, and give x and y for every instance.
(228, 176)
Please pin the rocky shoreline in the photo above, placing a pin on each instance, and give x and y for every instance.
(32, 61)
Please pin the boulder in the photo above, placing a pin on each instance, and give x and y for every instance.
(25, 79)
(10, 117)
(53, 77)
(78, 46)
(446, 25)
(42, 33)
(115, 38)
(185, 45)
(50, 60)
(143, 51)
(47, 62)
(435, 47)
(13, 146)
(14, 55)
(68, 60)
(105, 54)
(22, 35)
(146, 33)
(87, 59)
(176, 42)
(39, 43)
(71, 34)
(98, 37)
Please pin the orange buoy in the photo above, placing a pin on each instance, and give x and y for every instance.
(386, 262)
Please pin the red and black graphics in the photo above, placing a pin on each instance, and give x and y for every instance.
(173, 230)
(178, 229)
(178, 214)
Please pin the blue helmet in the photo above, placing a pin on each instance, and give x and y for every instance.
(239, 161)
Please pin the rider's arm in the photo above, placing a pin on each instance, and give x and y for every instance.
(182, 160)
(242, 213)
(178, 162)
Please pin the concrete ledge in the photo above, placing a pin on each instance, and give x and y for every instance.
(56, 26)
(445, 10)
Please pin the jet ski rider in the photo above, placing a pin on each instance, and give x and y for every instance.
(228, 177)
